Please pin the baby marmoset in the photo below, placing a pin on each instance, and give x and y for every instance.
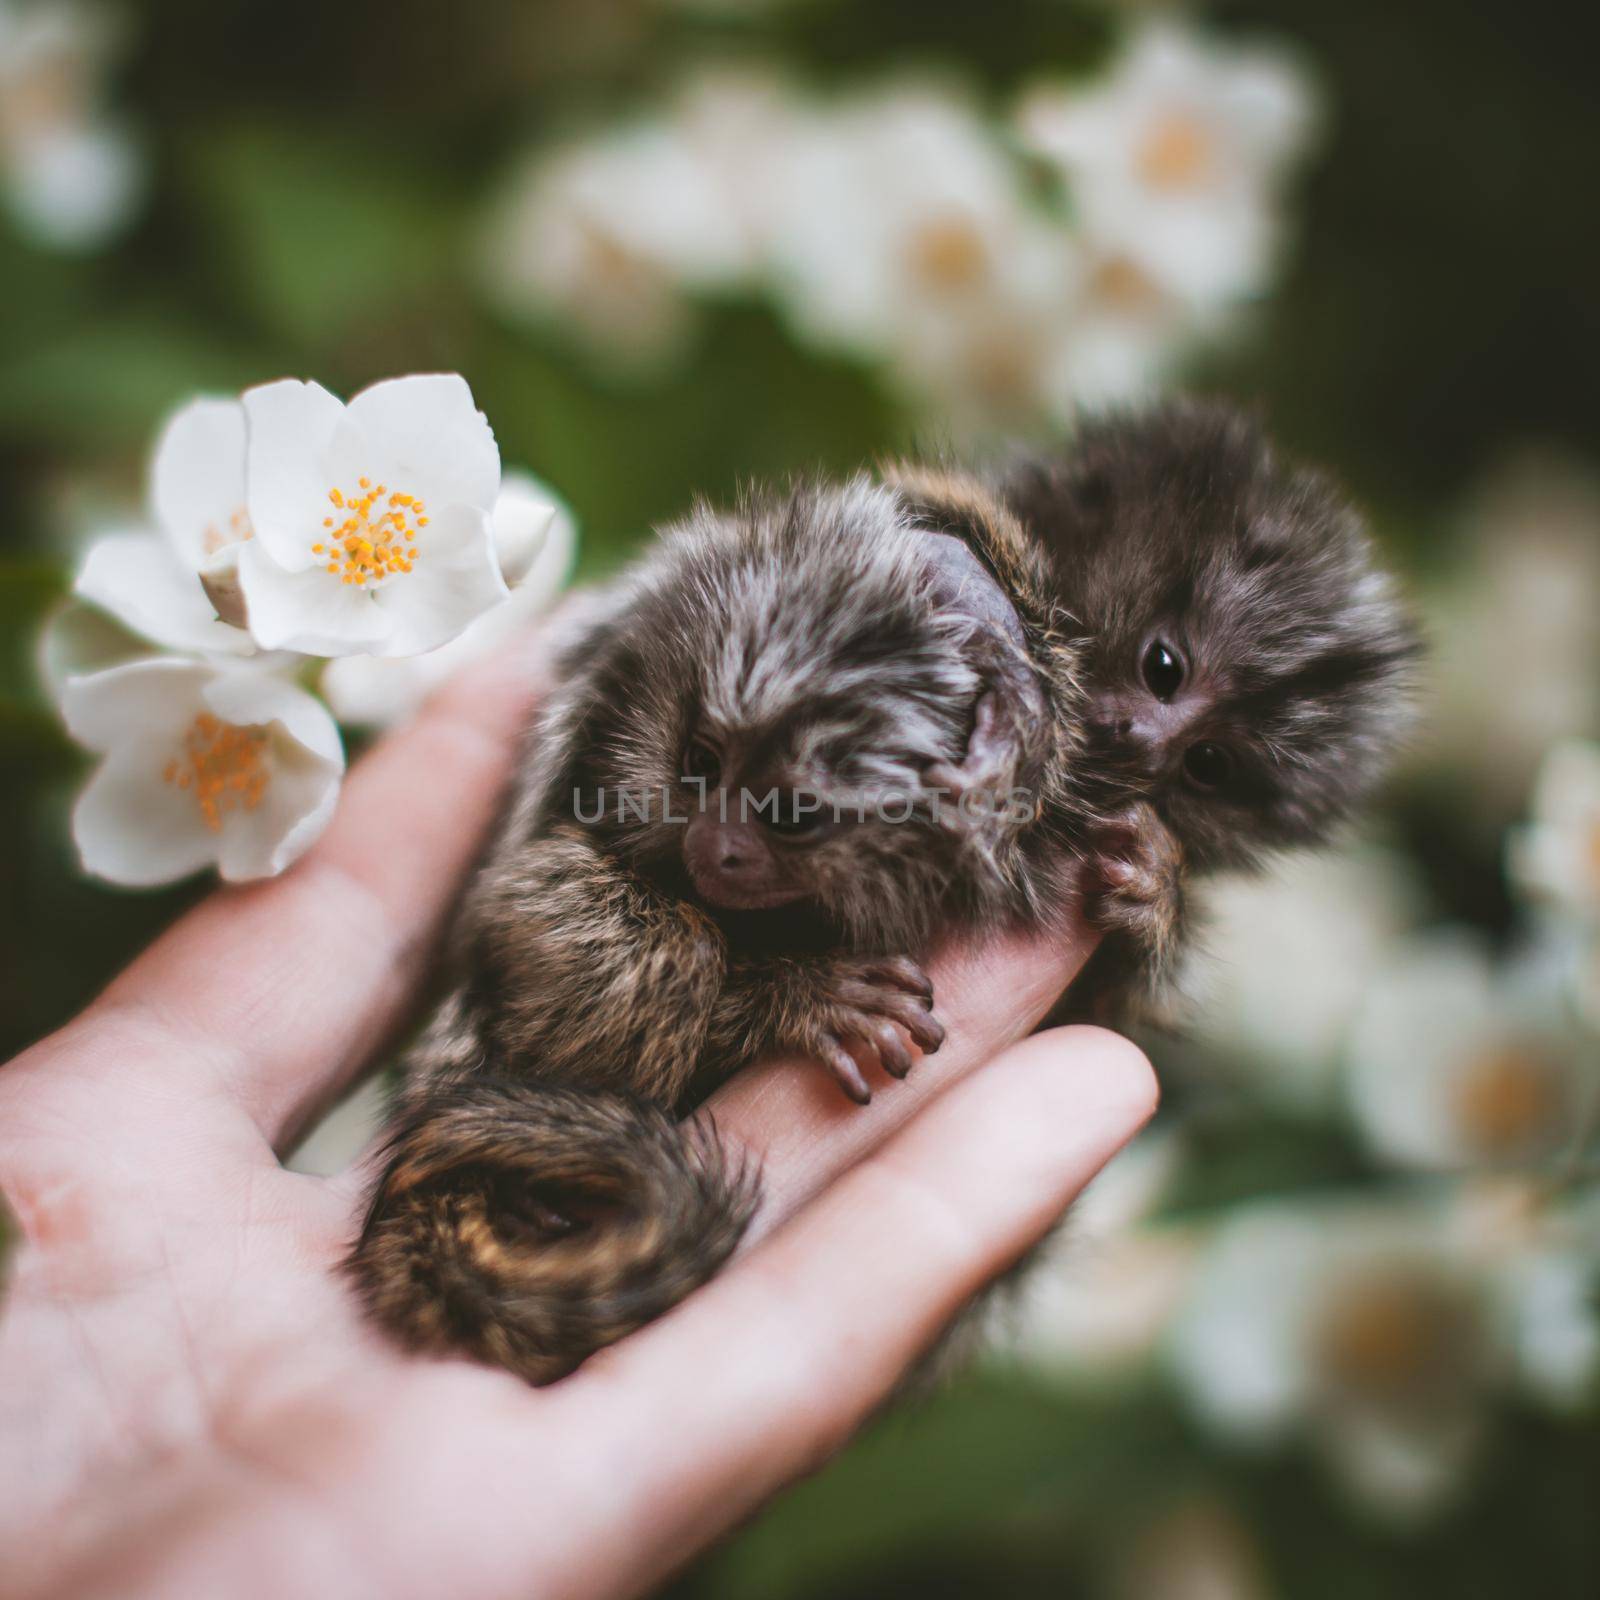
(1248, 666)
(803, 740)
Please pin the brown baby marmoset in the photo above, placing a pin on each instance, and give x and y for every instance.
(1249, 668)
(801, 741)
(798, 742)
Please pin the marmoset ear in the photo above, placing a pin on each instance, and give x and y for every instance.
(945, 500)
(965, 530)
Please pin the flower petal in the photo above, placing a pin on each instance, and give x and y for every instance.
(374, 691)
(291, 425)
(197, 478)
(255, 699)
(523, 517)
(424, 434)
(132, 827)
(137, 578)
(455, 581)
(307, 766)
(551, 570)
(79, 639)
(312, 612)
(139, 700)
(379, 691)
(74, 186)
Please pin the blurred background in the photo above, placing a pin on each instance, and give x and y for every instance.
(1333, 1326)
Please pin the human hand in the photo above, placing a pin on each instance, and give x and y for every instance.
(190, 1402)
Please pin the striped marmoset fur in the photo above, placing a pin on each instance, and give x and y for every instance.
(1161, 645)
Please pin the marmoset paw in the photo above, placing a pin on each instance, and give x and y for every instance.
(876, 1007)
(1136, 877)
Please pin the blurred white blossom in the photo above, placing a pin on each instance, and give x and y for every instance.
(1553, 1289)
(69, 174)
(1285, 958)
(369, 522)
(536, 542)
(1539, 1246)
(1517, 633)
(905, 234)
(1362, 1328)
(1456, 1063)
(1174, 162)
(1098, 1301)
(897, 224)
(1119, 336)
(1556, 857)
(612, 233)
(203, 765)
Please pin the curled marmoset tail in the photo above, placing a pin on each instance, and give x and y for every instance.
(802, 740)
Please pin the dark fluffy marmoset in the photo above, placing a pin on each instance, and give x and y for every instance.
(1160, 647)
(1249, 668)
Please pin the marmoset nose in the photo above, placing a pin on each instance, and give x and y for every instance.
(735, 856)
(730, 851)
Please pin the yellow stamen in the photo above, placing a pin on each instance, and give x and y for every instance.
(1508, 1097)
(367, 546)
(236, 531)
(1176, 154)
(949, 255)
(225, 767)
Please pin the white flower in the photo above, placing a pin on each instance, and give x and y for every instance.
(1286, 959)
(1453, 1064)
(1173, 162)
(1362, 1329)
(68, 174)
(536, 540)
(1557, 856)
(1100, 1307)
(1122, 336)
(136, 577)
(1102, 1297)
(197, 482)
(905, 234)
(370, 522)
(1539, 1249)
(1552, 1288)
(613, 234)
(150, 582)
(1517, 658)
(204, 764)
(139, 590)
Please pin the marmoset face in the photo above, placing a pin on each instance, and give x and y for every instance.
(814, 708)
(1246, 662)
(755, 830)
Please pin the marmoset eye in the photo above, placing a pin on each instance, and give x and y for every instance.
(701, 761)
(792, 823)
(1208, 765)
(1163, 670)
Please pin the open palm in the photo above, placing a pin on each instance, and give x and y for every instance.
(190, 1402)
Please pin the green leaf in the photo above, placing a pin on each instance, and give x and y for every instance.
(322, 231)
(107, 384)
